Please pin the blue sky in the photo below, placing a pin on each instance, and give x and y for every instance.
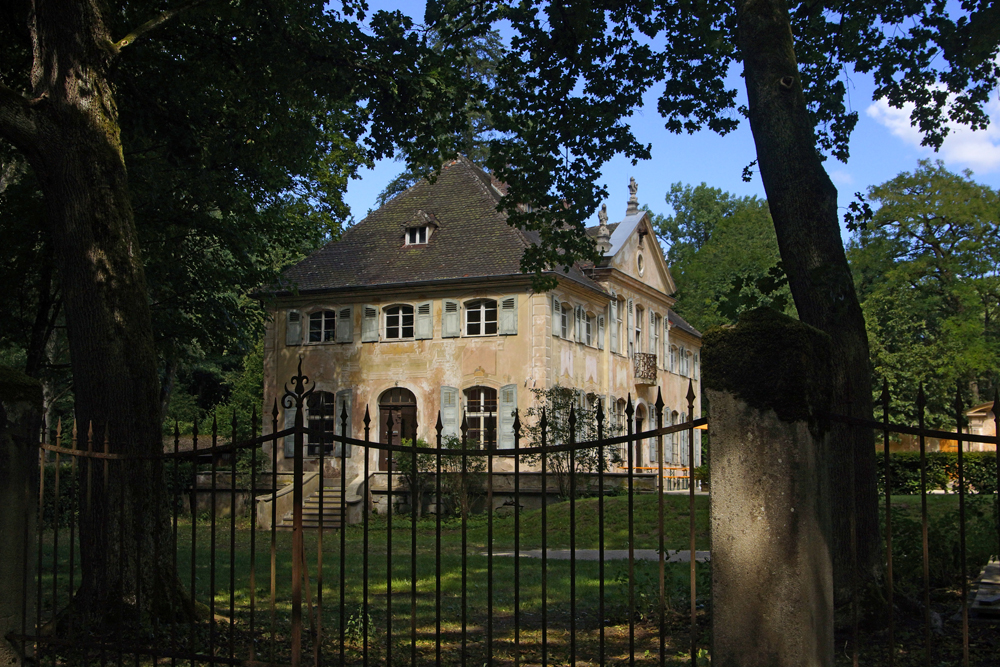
(883, 145)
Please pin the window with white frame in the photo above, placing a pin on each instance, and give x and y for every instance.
(694, 372)
(564, 321)
(589, 329)
(322, 326)
(481, 317)
(481, 415)
(684, 361)
(417, 235)
(673, 358)
(398, 322)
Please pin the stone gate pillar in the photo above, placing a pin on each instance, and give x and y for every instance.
(767, 381)
(20, 418)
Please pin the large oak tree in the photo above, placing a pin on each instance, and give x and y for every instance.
(585, 65)
(254, 94)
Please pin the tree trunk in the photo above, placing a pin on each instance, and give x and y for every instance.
(803, 203)
(70, 134)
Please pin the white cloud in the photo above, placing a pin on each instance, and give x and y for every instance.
(979, 150)
(841, 177)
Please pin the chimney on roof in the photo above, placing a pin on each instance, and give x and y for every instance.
(603, 233)
(633, 201)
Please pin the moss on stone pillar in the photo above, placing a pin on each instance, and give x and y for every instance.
(772, 362)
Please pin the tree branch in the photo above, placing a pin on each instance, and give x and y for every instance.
(17, 123)
(151, 24)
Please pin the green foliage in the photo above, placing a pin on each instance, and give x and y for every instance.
(479, 66)
(925, 268)
(979, 471)
(60, 510)
(457, 490)
(646, 586)
(358, 625)
(557, 403)
(944, 557)
(723, 255)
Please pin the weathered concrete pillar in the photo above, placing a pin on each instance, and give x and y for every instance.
(766, 380)
(20, 415)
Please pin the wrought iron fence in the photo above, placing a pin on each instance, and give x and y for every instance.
(554, 585)
(945, 633)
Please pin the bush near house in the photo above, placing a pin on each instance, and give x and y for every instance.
(980, 471)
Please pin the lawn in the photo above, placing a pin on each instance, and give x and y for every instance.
(488, 587)
(495, 617)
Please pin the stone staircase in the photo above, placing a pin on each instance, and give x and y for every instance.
(333, 500)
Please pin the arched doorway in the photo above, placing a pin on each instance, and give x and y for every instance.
(401, 405)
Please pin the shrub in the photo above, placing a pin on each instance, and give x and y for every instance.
(942, 472)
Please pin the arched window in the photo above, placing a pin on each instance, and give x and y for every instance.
(322, 326)
(321, 418)
(481, 413)
(398, 322)
(481, 317)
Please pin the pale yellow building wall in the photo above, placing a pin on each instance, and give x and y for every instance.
(533, 358)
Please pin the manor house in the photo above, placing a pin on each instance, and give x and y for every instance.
(421, 308)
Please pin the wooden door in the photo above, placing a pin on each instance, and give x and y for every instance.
(403, 416)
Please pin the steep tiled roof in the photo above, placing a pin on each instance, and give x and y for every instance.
(472, 239)
(679, 322)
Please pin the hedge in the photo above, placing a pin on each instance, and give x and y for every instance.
(942, 472)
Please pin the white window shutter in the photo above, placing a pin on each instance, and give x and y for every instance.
(369, 324)
(508, 316)
(345, 325)
(449, 411)
(343, 402)
(293, 328)
(613, 319)
(600, 332)
(425, 321)
(629, 327)
(451, 322)
(556, 316)
(290, 439)
(508, 403)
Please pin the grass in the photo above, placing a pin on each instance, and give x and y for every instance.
(405, 609)
(397, 641)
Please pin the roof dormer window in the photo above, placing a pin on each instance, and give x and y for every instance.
(417, 235)
(419, 228)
